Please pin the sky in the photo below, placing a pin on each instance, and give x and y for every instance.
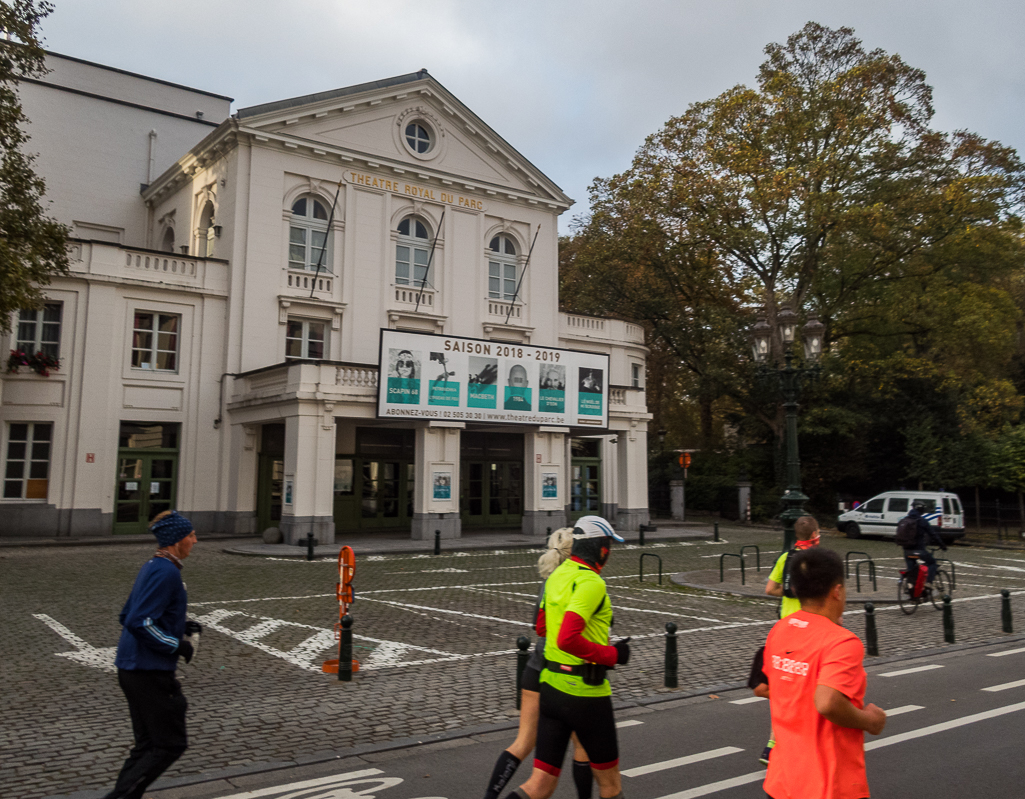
(575, 86)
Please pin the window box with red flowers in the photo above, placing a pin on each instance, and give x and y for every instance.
(38, 362)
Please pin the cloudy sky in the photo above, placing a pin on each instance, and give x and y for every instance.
(574, 85)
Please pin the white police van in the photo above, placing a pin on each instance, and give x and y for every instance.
(879, 515)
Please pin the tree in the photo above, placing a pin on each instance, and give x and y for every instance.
(33, 247)
(823, 188)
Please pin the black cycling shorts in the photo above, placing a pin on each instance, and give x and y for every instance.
(590, 717)
(530, 680)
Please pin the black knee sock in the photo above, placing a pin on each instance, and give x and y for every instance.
(505, 767)
(582, 778)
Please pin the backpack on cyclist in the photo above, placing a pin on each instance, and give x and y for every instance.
(907, 532)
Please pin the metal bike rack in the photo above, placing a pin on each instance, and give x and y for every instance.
(641, 565)
(758, 554)
(743, 578)
(847, 561)
(871, 573)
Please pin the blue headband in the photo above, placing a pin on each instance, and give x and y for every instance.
(171, 529)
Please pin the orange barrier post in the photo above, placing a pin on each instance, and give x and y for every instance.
(343, 632)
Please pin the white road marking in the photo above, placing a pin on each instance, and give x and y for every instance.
(944, 726)
(519, 623)
(258, 599)
(749, 700)
(755, 776)
(628, 723)
(1005, 652)
(910, 671)
(666, 612)
(715, 787)
(336, 781)
(88, 655)
(898, 711)
(651, 768)
(1005, 686)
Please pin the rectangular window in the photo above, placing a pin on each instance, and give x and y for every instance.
(40, 331)
(898, 505)
(411, 272)
(305, 340)
(635, 375)
(27, 471)
(307, 248)
(501, 281)
(155, 341)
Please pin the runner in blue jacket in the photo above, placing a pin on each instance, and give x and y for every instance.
(155, 634)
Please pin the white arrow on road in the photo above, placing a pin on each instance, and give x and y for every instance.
(88, 655)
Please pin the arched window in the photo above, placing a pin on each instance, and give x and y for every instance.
(502, 268)
(307, 235)
(167, 243)
(412, 251)
(206, 230)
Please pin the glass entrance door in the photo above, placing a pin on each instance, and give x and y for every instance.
(492, 493)
(270, 485)
(147, 474)
(386, 494)
(585, 488)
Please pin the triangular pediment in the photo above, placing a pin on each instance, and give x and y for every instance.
(372, 120)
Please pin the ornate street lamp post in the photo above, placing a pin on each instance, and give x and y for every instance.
(789, 378)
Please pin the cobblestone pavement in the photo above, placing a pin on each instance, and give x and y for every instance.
(435, 635)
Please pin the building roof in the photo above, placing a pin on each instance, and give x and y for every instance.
(306, 99)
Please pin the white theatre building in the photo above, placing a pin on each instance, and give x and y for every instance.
(238, 283)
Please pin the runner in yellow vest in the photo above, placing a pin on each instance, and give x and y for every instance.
(576, 697)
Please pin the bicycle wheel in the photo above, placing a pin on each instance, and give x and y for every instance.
(907, 603)
(940, 586)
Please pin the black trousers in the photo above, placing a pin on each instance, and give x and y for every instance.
(157, 707)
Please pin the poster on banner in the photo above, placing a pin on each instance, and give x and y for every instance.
(430, 376)
(549, 485)
(442, 485)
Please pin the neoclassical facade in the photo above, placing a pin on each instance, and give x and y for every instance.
(219, 335)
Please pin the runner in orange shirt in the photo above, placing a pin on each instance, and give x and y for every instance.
(817, 690)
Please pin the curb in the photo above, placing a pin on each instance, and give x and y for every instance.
(512, 724)
(299, 551)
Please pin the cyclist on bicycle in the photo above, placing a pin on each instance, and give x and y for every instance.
(924, 534)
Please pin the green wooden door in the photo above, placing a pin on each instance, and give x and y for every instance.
(492, 494)
(146, 486)
(385, 489)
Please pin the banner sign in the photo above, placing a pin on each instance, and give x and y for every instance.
(426, 376)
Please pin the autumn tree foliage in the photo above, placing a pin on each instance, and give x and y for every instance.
(32, 246)
(822, 188)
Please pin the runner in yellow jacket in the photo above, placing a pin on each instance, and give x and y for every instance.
(576, 697)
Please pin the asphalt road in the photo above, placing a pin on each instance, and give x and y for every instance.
(957, 720)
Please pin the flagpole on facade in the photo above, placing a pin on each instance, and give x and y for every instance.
(327, 238)
(430, 259)
(524, 272)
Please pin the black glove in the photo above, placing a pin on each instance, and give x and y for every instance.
(193, 627)
(185, 650)
(622, 651)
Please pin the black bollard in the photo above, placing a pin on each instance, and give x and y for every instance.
(1005, 611)
(311, 542)
(871, 634)
(948, 620)
(716, 535)
(345, 650)
(549, 532)
(672, 659)
(640, 540)
(522, 643)
(437, 542)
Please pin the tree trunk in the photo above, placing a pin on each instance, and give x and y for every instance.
(978, 510)
(1021, 513)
